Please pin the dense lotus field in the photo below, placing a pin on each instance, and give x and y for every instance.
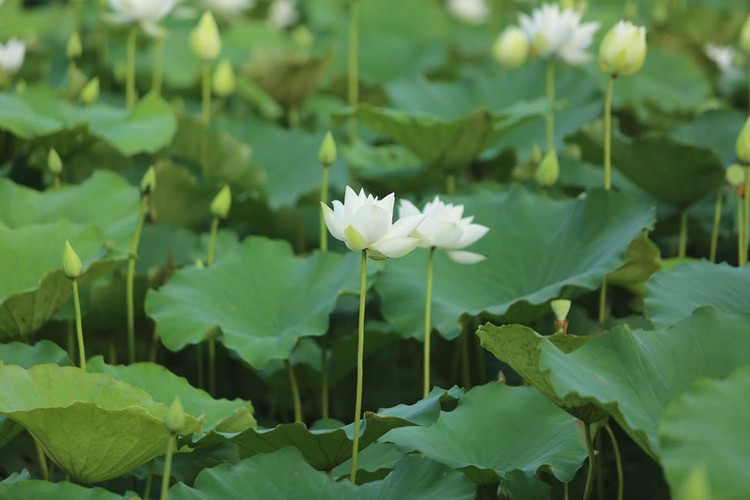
(374, 249)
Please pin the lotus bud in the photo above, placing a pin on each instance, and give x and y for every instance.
(743, 144)
(549, 170)
(221, 203)
(735, 175)
(561, 308)
(54, 163)
(745, 37)
(148, 182)
(623, 49)
(224, 81)
(205, 39)
(327, 151)
(174, 420)
(90, 93)
(74, 48)
(71, 262)
(511, 48)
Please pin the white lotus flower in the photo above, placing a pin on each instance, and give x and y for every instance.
(364, 223)
(724, 57)
(469, 11)
(554, 32)
(446, 228)
(146, 13)
(228, 8)
(11, 56)
(283, 13)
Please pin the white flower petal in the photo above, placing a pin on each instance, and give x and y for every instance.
(396, 247)
(372, 222)
(407, 208)
(405, 225)
(463, 257)
(333, 222)
(471, 234)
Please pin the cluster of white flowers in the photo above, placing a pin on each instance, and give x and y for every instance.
(555, 32)
(364, 222)
(12, 55)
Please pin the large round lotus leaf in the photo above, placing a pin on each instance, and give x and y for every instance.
(448, 145)
(674, 294)
(284, 475)
(94, 427)
(262, 298)
(635, 375)
(535, 247)
(104, 200)
(220, 415)
(713, 130)
(33, 285)
(675, 172)
(46, 490)
(497, 429)
(706, 427)
(519, 347)
(324, 449)
(40, 111)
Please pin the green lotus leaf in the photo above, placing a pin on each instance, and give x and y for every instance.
(642, 260)
(93, 426)
(46, 490)
(519, 347)
(673, 171)
(706, 428)
(674, 294)
(498, 429)
(104, 200)
(40, 112)
(34, 286)
(284, 475)
(261, 298)
(635, 375)
(325, 448)
(715, 129)
(535, 247)
(448, 145)
(220, 415)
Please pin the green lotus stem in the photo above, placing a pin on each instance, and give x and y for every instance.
(71, 342)
(212, 242)
(566, 494)
(465, 369)
(599, 468)
(618, 461)
(682, 249)
(603, 301)
(592, 462)
(746, 219)
(427, 325)
(353, 65)
(360, 362)
(56, 181)
(295, 391)
(42, 459)
(717, 223)
(130, 70)
(608, 135)
(212, 341)
(79, 326)
(740, 232)
(324, 404)
(157, 77)
(131, 278)
(324, 199)
(199, 355)
(206, 94)
(551, 113)
(167, 468)
(154, 345)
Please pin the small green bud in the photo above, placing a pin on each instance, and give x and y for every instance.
(549, 170)
(735, 175)
(560, 308)
(623, 49)
(174, 420)
(205, 39)
(511, 48)
(74, 48)
(327, 151)
(148, 182)
(745, 37)
(221, 203)
(71, 262)
(54, 163)
(90, 93)
(224, 81)
(743, 144)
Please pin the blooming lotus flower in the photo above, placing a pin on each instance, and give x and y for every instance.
(444, 227)
(146, 13)
(365, 223)
(228, 8)
(623, 49)
(11, 56)
(559, 33)
(283, 13)
(469, 11)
